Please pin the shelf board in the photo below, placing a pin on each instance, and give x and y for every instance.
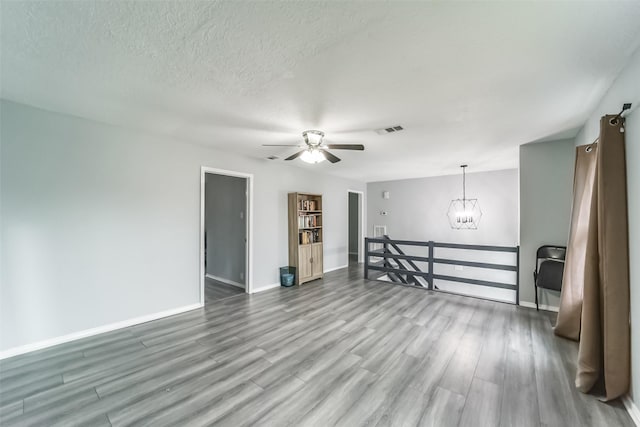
(316, 211)
(309, 228)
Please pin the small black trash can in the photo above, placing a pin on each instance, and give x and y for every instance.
(287, 276)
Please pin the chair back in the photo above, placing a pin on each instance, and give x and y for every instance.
(551, 252)
(549, 272)
(550, 275)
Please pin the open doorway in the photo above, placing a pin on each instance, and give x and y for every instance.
(355, 227)
(225, 234)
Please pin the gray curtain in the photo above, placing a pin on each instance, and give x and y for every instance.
(594, 305)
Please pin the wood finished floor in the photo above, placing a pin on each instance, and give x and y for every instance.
(216, 291)
(342, 351)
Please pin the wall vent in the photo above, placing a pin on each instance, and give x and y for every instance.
(384, 131)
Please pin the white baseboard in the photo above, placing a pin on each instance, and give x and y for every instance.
(632, 409)
(275, 285)
(94, 331)
(328, 270)
(542, 306)
(223, 280)
(265, 288)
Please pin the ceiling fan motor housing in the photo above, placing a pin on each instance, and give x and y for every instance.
(313, 137)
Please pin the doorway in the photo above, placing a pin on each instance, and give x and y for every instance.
(356, 235)
(225, 234)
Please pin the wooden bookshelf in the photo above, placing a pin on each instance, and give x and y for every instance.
(306, 236)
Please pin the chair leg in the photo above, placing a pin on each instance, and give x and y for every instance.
(535, 288)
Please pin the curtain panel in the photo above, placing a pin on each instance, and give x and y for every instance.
(594, 302)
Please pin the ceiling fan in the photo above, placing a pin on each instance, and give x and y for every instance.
(316, 149)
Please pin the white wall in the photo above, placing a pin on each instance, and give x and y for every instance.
(225, 223)
(546, 188)
(417, 210)
(101, 224)
(626, 88)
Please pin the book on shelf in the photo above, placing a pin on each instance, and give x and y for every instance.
(306, 221)
(309, 236)
(307, 205)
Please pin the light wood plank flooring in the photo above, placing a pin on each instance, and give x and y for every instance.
(341, 351)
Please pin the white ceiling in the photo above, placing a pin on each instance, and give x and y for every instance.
(470, 82)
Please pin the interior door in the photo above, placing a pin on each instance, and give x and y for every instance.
(316, 259)
(304, 262)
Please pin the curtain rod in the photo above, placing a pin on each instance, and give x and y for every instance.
(625, 107)
(613, 121)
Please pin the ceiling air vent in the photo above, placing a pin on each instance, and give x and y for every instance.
(273, 157)
(391, 129)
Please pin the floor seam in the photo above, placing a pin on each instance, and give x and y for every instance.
(256, 384)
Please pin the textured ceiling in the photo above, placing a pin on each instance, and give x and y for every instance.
(470, 82)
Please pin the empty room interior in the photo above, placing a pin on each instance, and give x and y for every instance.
(319, 213)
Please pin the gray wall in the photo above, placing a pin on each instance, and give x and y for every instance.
(546, 188)
(353, 223)
(226, 226)
(626, 88)
(633, 194)
(111, 219)
(417, 210)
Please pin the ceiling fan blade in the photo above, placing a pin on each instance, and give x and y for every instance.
(295, 156)
(359, 147)
(329, 156)
(281, 145)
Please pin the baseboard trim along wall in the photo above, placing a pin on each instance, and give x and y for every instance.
(542, 306)
(275, 285)
(223, 280)
(265, 288)
(336, 268)
(632, 409)
(95, 331)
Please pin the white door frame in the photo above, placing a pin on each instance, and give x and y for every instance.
(248, 274)
(362, 228)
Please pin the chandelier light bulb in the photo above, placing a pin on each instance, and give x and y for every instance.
(464, 217)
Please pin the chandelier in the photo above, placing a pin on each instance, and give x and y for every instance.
(464, 214)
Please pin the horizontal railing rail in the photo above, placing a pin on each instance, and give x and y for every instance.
(489, 248)
(475, 264)
(397, 242)
(402, 274)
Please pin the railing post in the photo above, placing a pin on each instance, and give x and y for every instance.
(517, 275)
(385, 248)
(366, 258)
(430, 265)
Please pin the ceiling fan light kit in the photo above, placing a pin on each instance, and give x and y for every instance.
(312, 155)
